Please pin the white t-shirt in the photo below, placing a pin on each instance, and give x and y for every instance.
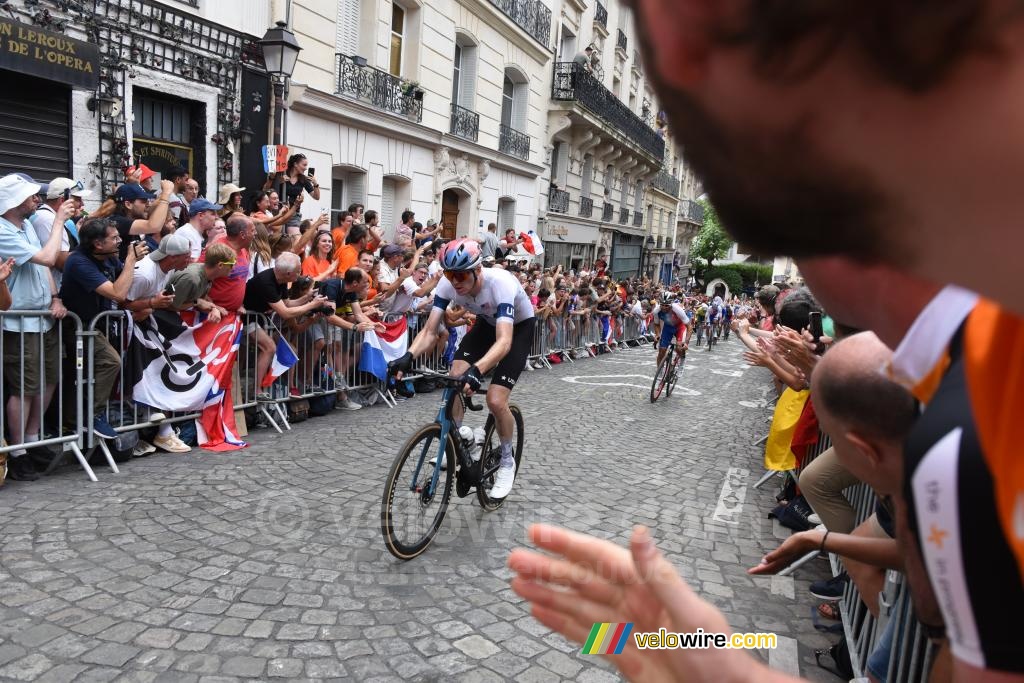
(501, 298)
(434, 268)
(402, 301)
(195, 240)
(147, 280)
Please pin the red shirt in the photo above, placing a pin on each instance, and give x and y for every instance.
(228, 292)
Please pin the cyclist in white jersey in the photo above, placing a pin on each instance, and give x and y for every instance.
(500, 340)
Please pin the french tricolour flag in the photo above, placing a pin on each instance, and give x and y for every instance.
(532, 243)
(380, 349)
(284, 359)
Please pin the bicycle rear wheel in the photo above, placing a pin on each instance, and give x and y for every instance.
(409, 515)
(673, 376)
(491, 456)
(660, 375)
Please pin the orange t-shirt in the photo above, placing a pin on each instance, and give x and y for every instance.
(347, 256)
(338, 234)
(313, 265)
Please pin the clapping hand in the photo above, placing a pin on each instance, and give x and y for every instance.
(6, 268)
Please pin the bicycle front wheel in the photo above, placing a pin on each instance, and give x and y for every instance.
(491, 456)
(673, 377)
(410, 513)
(660, 375)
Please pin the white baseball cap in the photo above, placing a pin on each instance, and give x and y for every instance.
(58, 185)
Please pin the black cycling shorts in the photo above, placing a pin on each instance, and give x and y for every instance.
(479, 340)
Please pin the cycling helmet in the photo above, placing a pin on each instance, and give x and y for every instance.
(460, 254)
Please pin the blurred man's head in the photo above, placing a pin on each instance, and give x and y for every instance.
(815, 126)
(218, 260)
(866, 414)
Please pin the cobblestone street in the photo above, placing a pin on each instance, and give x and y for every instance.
(269, 563)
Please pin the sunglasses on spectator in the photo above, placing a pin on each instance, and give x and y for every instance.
(457, 276)
(228, 263)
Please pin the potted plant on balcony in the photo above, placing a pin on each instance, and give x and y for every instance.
(359, 61)
(411, 89)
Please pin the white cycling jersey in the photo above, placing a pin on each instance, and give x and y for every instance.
(501, 297)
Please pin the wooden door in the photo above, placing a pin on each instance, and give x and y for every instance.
(449, 213)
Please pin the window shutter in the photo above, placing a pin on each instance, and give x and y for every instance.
(508, 214)
(521, 95)
(467, 98)
(356, 188)
(347, 27)
(639, 201)
(588, 172)
(387, 208)
(563, 163)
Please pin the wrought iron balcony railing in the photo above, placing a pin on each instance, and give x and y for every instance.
(601, 15)
(623, 215)
(530, 15)
(691, 211)
(666, 182)
(574, 83)
(586, 207)
(558, 200)
(465, 123)
(620, 40)
(378, 88)
(638, 219)
(608, 212)
(511, 141)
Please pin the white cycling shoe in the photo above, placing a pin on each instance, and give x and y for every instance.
(503, 480)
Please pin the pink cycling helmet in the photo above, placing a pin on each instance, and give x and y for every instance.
(460, 254)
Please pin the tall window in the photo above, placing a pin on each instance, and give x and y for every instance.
(457, 75)
(588, 174)
(507, 100)
(397, 39)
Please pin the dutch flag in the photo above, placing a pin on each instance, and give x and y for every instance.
(284, 359)
(380, 349)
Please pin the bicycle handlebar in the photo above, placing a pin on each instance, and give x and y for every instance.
(453, 382)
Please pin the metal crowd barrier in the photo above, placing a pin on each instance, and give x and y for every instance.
(59, 417)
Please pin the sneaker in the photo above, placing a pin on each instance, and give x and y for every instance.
(348, 404)
(503, 480)
(21, 469)
(157, 417)
(143, 448)
(433, 462)
(814, 519)
(830, 589)
(264, 397)
(102, 428)
(171, 444)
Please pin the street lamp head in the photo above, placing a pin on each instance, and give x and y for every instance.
(280, 51)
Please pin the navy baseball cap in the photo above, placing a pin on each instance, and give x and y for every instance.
(201, 204)
(129, 192)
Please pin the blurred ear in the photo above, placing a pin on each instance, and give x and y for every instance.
(865, 447)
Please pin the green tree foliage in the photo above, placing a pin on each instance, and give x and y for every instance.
(712, 242)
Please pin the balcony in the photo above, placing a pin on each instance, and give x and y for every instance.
(601, 15)
(465, 123)
(575, 84)
(620, 40)
(623, 216)
(586, 207)
(608, 212)
(378, 88)
(691, 211)
(530, 15)
(638, 219)
(513, 142)
(667, 183)
(558, 200)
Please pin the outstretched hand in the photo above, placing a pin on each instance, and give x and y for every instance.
(587, 580)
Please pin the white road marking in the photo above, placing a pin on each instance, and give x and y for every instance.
(583, 379)
(728, 373)
(729, 509)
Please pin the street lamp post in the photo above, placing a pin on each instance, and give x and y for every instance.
(280, 52)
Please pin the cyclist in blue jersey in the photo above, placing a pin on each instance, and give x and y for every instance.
(675, 321)
(500, 340)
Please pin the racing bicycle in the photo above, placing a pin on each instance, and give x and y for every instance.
(417, 491)
(667, 374)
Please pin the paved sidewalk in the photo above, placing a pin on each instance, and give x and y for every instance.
(268, 563)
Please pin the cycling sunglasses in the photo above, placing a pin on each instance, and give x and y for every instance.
(228, 263)
(457, 276)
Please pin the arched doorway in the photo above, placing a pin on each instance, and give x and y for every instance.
(449, 213)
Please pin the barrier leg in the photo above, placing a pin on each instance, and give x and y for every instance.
(763, 480)
(266, 414)
(85, 463)
(106, 453)
(388, 398)
(799, 563)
